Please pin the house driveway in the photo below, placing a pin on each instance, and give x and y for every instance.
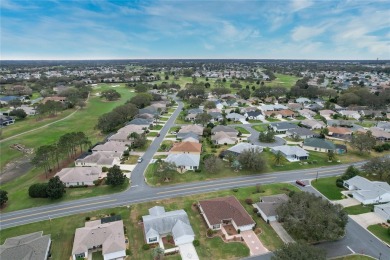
(282, 233)
(188, 252)
(367, 219)
(254, 243)
(347, 202)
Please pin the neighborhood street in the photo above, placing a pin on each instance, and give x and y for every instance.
(356, 240)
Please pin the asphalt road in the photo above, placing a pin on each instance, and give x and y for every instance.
(358, 239)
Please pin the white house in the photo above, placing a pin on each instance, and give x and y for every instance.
(96, 234)
(184, 161)
(219, 212)
(383, 210)
(350, 114)
(368, 192)
(291, 153)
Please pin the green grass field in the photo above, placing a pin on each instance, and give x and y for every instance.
(62, 230)
(380, 232)
(282, 80)
(354, 257)
(242, 130)
(259, 128)
(84, 120)
(358, 209)
(327, 186)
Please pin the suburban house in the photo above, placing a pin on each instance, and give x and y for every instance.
(254, 115)
(301, 132)
(147, 116)
(275, 107)
(368, 192)
(226, 129)
(220, 212)
(235, 117)
(282, 127)
(339, 132)
(319, 145)
(239, 148)
(385, 126)
(144, 123)
(192, 113)
(312, 124)
(291, 153)
(184, 161)
(30, 111)
(149, 110)
(378, 133)
(268, 205)
(78, 176)
(186, 147)
(223, 138)
(350, 114)
(109, 236)
(327, 113)
(101, 159)
(6, 120)
(123, 134)
(33, 246)
(215, 116)
(159, 224)
(383, 210)
(110, 146)
(188, 137)
(54, 98)
(307, 113)
(295, 106)
(286, 113)
(7, 99)
(303, 100)
(196, 129)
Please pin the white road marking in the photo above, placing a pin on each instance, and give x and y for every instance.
(353, 252)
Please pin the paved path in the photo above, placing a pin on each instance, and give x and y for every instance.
(254, 243)
(282, 233)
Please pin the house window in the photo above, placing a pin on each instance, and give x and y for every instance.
(216, 226)
(153, 239)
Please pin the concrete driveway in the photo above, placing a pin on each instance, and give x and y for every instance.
(367, 219)
(254, 243)
(347, 202)
(188, 252)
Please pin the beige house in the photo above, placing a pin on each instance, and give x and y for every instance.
(223, 138)
(101, 159)
(197, 129)
(95, 235)
(78, 176)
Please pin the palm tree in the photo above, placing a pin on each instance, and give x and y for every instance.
(278, 158)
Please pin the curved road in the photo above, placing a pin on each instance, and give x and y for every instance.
(141, 192)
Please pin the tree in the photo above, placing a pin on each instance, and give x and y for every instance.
(378, 166)
(158, 253)
(141, 100)
(3, 197)
(244, 93)
(331, 155)
(195, 102)
(19, 113)
(267, 137)
(55, 188)
(213, 164)
(139, 141)
(219, 91)
(115, 176)
(299, 251)
(38, 190)
(140, 88)
(312, 218)
(350, 172)
(252, 159)
(363, 142)
(209, 105)
(202, 118)
(165, 170)
(110, 94)
(278, 158)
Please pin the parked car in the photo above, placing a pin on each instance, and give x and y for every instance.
(300, 183)
(140, 160)
(158, 135)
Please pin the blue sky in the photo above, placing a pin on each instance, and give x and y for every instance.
(278, 29)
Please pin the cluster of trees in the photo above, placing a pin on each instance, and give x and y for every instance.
(48, 157)
(363, 97)
(54, 189)
(3, 197)
(110, 94)
(165, 171)
(378, 166)
(264, 92)
(252, 160)
(267, 136)
(299, 251)
(113, 120)
(141, 100)
(349, 173)
(192, 90)
(138, 140)
(115, 176)
(76, 96)
(19, 113)
(212, 163)
(312, 218)
(50, 107)
(363, 142)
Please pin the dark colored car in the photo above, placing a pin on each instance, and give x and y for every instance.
(300, 183)
(158, 135)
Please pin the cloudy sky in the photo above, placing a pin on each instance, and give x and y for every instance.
(278, 29)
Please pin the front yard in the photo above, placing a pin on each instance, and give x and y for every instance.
(242, 130)
(380, 231)
(359, 209)
(327, 186)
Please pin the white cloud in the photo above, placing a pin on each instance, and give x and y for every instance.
(208, 46)
(298, 5)
(301, 33)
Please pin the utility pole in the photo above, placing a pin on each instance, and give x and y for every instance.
(317, 177)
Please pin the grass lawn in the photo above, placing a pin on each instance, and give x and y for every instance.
(97, 255)
(254, 121)
(365, 124)
(174, 129)
(152, 134)
(144, 148)
(381, 232)
(233, 122)
(84, 120)
(259, 128)
(242, 130)
(282, 80)
(327, 186)
(157, 127)
(271, 119)
(354, 257)
(168, 145)
(300, 118)
(132, 159)
(358, 209)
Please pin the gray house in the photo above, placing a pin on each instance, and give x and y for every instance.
(159, 224)
(268, 205)
(282, 127)
(301, 132)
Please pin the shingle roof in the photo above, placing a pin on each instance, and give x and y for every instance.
(239, 148)
(290, 150)
(79, 174)
(319, 143)
(301, 131)
(219, 209)
(184, 159)
(222, 128)
(187, 147)
(285, 125)
(31, 246)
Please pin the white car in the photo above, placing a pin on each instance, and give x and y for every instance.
(140, 160)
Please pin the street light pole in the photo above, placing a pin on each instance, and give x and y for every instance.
(317, 176)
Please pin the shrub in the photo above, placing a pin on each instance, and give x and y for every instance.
(238, 231)
(98, 182)
(128, 252)
(146, 247)
(379, 148)
(258, 214)
(210, 232)
(255, 210)
(249, 201)
(38, 190)
(87, 218)
(196, 242)
(235, 189)
(198, 170)
(339, 183)
(104, 169)
(112, 214)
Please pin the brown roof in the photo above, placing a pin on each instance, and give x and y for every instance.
(286, 112)
(219, 209)
(339, 130)
(187, 147)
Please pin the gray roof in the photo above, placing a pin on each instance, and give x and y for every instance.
(235, 116)
(32, 246)
(275, 198)
(384, 207)
(254, 113)
(161, 222)
(368, 189)
(284, 126)
(301, 131)
(290, 150)
(187, 135)
(319, 143)
(215, 115)
(222, 128)
(312, 122)
(140, 121)
(239, 148)
(195, 111)
(184, 159)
